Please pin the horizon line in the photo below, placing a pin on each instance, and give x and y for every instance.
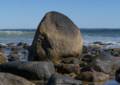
(78, 27)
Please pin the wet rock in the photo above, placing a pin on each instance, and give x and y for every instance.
(90, 75)
(99, 43)
(10, 79)
(11, 44)
(114, 51)
(68, 68)
(104, 61)
(13, 56)
(105, 66)
(2, 45)
(29, 70)
(57, 37)
(70, 60)
(23, 45)
(101, 60)
(85, 49)
(18, 54)
(58, 79)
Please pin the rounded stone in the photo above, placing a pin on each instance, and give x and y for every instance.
(56, 37)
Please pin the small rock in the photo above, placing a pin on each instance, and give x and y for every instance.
(68, 68)
(58, 79)
(18, 54)
(3, 58)
(23, 45)
(70, 60)
(93, 76)
(10, 79)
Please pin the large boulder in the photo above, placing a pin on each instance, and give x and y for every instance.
(56, 37)
(10, 79)
(29, 70)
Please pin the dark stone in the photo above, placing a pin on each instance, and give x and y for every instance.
(18, 54)
(57, 79)
(29, 70)
(117, 75)
(99, 43)
(10, 79)
(70, 60)
(68, 68)
(102, 61)
(57, 37)
(23, 45)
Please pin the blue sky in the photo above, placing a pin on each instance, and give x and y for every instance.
(84, 13)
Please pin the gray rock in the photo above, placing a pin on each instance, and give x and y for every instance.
(10, 79)
(58, 79)
(56, 37)
(100, 61)
(29, 70)
(104, 61)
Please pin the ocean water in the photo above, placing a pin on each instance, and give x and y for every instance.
(102, 35)
(89, 35)
(16, 35)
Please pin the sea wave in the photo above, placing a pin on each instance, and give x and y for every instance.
(89, 35)
(15, 32)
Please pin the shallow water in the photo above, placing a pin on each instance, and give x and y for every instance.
(112, 82)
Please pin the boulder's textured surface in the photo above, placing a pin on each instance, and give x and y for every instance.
(56, 37)
(57, 79)
(10, 79)
(29, 70)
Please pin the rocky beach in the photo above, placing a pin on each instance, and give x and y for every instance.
(58, 55)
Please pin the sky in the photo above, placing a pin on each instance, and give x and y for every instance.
(84, 13)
